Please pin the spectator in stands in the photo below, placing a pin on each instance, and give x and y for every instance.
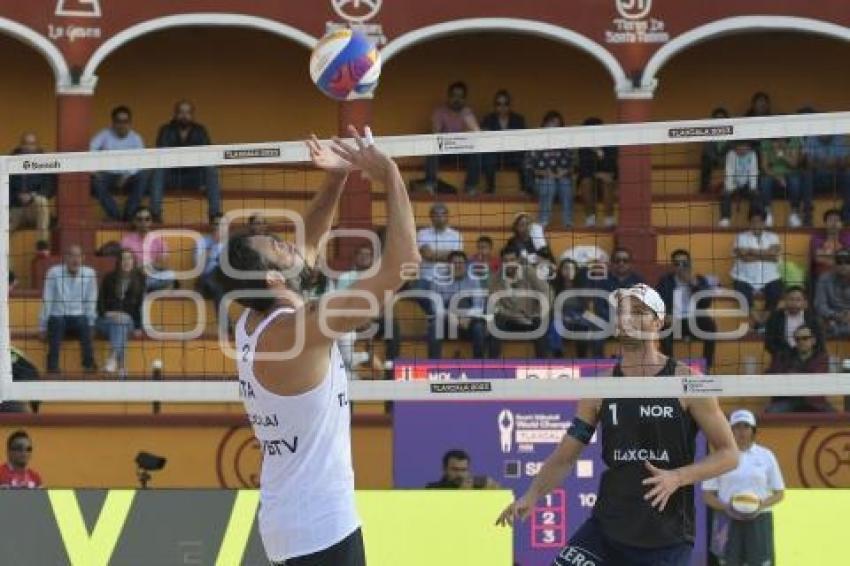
(528, 240)
(153, 260)
(807, 356)
(17, 474)
(119, 136)
(461, 309)
(780, 161)
(436, 243)
(570, 305)
(70, 304)
(713, 154)
(457, 474)
(501, 119)
(826, 161)
(521, 307)
(453, 117)
(688, 316)
(183, 131)
(364, 258)
(742, 173)
(29, 194)
(824, 244)
(756, 267)
(553, 175)
(759, 105)
(257, 224)
(597, 171)
(745, 539)
(782, 324)
(832, 296)
(485, 264)
(207, 253)
(119, 309)
(620, 276)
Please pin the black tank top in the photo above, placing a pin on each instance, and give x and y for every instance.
(635, 430)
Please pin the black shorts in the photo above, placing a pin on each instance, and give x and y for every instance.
(589, 546)
(347, 552)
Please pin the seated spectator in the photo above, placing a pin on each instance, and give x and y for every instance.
(364, 258)
(528, 240)
(825, 243)
(566, 288)
(808, 356)
(119, 136)
(745, 539)
(780, 160)
(742, 173)
(183, 131)
(435, 244)
(503, 118)
(832, 296)
(552, 171)
(464, 315)
(119, 309)
(17, 474)
(453, 117)
(620, 275)
(70, 305)
(520, 308)
(687, 317)
(826, 161)
(756, 267)
(713, 154)
(457, 474)
(759, 105)
(484, 262)
(29, 194)
(207, 252)
(154, 260)
(782, 324)
(597, 171)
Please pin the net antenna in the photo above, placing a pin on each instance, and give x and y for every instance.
(278, 153)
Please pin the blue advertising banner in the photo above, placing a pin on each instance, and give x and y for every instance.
(508, 442)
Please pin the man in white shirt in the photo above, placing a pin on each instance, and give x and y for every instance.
(120, 136)
(435, 244)
(756, 267)
(70, 304)
(745, 539)
(742, 174)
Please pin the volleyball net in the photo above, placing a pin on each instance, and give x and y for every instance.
(549, 204)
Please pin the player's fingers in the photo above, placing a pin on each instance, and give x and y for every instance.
(651, 480)
(361, 145)
(650, 467)
(343, 146)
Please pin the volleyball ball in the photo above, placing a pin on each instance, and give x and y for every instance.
(746, 503)
(345, 64)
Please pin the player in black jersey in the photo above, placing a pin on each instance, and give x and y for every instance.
(644, 512)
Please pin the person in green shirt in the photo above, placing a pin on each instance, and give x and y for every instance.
(780, 162)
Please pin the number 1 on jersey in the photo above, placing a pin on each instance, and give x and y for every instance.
(613, 408)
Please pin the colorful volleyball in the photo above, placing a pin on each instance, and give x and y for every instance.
(345, 64)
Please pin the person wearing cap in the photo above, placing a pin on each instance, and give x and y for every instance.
(620, 275)
(832, 296)
(738, 539)
(644, 513)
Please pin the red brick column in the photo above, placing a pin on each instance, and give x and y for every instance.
(634, 228)
(74, 202)
(355, 209)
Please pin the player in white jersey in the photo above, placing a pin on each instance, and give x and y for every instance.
(291, 377)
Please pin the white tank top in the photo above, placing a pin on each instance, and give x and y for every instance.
(307, 481)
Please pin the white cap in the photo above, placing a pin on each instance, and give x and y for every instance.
(742, 416)
(645, 294)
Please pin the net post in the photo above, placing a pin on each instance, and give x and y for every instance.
(5, 331)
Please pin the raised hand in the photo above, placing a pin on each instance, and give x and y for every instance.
(364, 156)
(325, 158)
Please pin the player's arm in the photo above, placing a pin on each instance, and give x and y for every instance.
(558, 464)
(319, 215)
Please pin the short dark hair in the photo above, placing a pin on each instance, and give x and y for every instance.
(795, 288)
(680, 251)
(458, 84)
(718, 111)
(621, 249)
(121, 110)
(757, 211)
(592, 121)
(503, 93)
(454, 454)
(242, 256)
(760, 94)
(456, 253)
(15, 436)
(831, 212)
(486, 240)
(551, 115)
(508, 250)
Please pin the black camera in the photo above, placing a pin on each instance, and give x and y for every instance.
(150, 462)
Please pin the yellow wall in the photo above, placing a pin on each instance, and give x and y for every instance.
(246, 85)
(27, 95)
(795, 69)
(540, 74)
